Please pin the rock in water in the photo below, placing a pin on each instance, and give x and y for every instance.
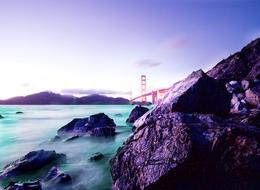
(1, 117)
(56, 179)
(188, 151)
(95, 125)
(25, 186)
(30, 162)
(242, 65)
(136, 113)
(198, 93)
(96, 156)
(19, 112)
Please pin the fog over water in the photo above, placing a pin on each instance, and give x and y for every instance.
(32, 130)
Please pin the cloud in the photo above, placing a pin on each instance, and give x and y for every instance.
(147, 63)
(25, 84)
(177, 42)
(79, 91)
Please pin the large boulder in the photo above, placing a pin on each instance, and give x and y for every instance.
(241, 65)
(31, 162)
(188, 151)
(198, 93)
(95, 125)
(56, 179)
(136, 113)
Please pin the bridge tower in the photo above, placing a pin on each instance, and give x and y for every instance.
(143, 88)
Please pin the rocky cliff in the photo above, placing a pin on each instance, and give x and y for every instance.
(193, 139)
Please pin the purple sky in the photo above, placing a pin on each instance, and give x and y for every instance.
(105, 45)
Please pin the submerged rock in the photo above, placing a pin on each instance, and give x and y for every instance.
(96, 156)
(56, 179)
(118, 115)
(32, 161)
(188, 151)
(95, 125)
(198, 93)
(136, 113)
(1, 117)
(24, 186)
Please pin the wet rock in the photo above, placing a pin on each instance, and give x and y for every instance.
(136, 113)
(241, 65)
(95, 125)
(24, 186)
(198, 93)
(253, 97)
(72, 138)
(188, 151)
(96, 156)
(31, 162)
(56, 179)
(19, 112)
(56, 139)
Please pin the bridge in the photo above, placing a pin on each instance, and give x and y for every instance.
(156, 95)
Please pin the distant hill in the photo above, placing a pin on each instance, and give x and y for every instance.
(48, 98)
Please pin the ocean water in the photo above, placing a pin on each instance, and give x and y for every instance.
(22, 133)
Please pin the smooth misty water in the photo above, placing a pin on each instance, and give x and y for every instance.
(22, 133)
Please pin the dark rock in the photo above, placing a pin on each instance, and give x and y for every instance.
(136, 113)
(56, 179)
(118, 115)
(96, 156)
(253, 97)
(1, 117)
(72, 138)
(234, 87)
(95, 125)
(198, 93)
(19, 112)
(241, 65)
(188, 151)
(30, 162)
(24, 186)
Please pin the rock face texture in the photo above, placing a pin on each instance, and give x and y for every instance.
(95, 125)
(242, 65)
(198, 93)
(136, 113)
(30, 162)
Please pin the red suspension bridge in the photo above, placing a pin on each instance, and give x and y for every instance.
(156, 95)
